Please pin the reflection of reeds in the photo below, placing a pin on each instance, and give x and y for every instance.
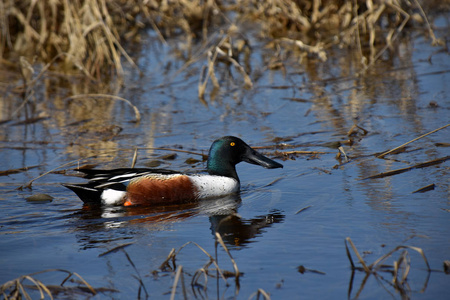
(108, 97)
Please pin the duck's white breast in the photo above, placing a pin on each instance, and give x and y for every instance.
(211, 186)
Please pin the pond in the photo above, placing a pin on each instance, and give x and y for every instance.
(288, 229)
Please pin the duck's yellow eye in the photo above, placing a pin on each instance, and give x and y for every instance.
(232, 144)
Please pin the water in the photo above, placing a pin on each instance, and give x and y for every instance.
(268, 239)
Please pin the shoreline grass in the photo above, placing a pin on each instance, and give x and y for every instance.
(93, 35)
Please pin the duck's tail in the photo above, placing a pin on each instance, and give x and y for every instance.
(86, 192)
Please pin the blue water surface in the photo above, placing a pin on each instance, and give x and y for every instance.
(269, 239)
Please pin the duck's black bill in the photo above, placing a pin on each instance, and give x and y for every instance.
(256, 158)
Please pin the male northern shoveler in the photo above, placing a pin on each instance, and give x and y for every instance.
(138, 186)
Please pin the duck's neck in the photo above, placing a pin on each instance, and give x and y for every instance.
(219, 170)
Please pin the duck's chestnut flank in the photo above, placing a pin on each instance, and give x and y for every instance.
(158, 190)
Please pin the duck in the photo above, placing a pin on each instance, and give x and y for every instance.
(152, 187)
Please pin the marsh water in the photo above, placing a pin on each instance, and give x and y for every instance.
(286, 230)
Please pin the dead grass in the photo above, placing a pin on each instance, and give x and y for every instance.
(399, 270)
(416, 166)
(312, 27)
(413, 140)
(200, 279)
(399, 273)
(92, 37)
(170, 264)
(87, 32)
(90, 34)
(17, 289)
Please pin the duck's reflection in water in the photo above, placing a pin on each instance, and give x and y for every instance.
(237, 232)
(95, 223)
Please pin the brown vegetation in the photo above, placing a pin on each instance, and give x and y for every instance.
(89, 35)
(399, 270)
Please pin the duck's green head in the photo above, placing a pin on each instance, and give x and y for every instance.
(228, 151)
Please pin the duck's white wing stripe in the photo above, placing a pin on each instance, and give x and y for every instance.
(123, 176)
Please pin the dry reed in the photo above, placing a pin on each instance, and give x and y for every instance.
(413, 140)
(87, 32)
(416, 166)
(314, 26)
(91, 37)
(16, 289)
(90, 33)
(205, 272)
(258, 293)
(400, 268)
